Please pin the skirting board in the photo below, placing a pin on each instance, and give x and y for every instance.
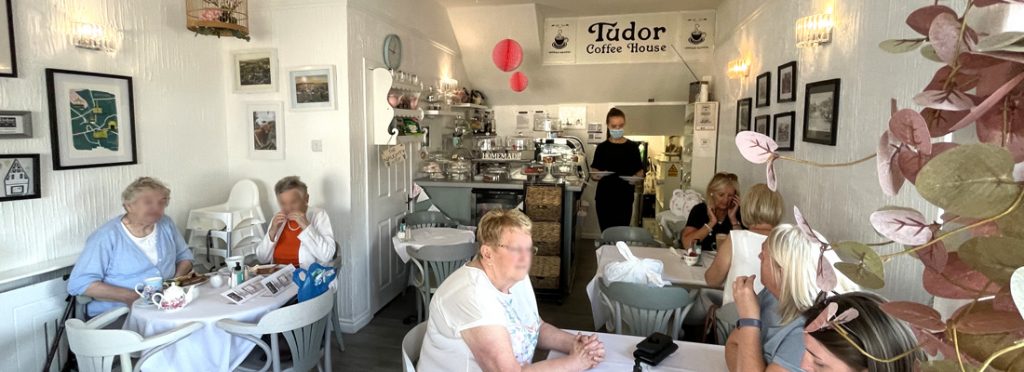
(351, 326)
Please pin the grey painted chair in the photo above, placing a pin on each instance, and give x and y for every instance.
(631, 235)
(97, 349)
(422, 219)
(304, 326)
(411, 347)
(335, 318)
(435, 263)
(640, 310)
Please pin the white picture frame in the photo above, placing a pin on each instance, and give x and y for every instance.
(265, 129)
(15, 124)
(312, 88)
(255, 70)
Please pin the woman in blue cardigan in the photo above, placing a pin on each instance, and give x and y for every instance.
(139, 244)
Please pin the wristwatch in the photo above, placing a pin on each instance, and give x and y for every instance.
(748, 322)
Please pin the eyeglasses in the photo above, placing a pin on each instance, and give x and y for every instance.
(520, 250)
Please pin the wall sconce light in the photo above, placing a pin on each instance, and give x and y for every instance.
(95, 37)
(814, 30)
(739, 68)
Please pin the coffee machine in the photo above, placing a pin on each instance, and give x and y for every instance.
(563, 157)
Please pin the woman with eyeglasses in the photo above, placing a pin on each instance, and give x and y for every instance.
(719, 214)
(614, 196)
(484, 316)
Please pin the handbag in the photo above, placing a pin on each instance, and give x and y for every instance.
(313, 281)
(654, 349)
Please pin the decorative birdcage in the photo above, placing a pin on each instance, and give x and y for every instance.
(218, 17)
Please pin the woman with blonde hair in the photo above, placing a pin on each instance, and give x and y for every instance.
(769, 332)
(484, 316)
(720, 214)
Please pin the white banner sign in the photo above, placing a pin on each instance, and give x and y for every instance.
(631, 38)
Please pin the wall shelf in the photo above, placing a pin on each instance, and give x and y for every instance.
(437, 113)
(470, 106)
(405, 113)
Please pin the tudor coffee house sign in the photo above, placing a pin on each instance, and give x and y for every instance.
(631, 38)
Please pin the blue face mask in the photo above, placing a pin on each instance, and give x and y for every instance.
(617, 133)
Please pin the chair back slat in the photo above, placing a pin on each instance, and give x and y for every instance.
(644, 310)
(306, 344)
(417, 220)
(630, 235)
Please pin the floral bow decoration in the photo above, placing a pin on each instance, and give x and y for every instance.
(828, 319)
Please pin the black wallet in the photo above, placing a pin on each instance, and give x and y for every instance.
(654, 349)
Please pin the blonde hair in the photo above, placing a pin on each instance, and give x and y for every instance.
(141, 184)
(795, 268)
(290, 183)
(720, 181)
(497, 221)
(761, 205)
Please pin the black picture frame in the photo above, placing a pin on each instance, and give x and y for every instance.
(6, 179)
(57, 144)
(743, 116)
(10, 34)
(821, 122)
(787, 138)
(764, 87)
(784, 79)
(766, 120)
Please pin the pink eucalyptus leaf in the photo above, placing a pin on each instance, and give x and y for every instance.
(944, 34)
(909, 127)
(963, 81)
(984, 319)
(770, 172)
(991, 78)
(984, 3)
(903, 226)
(911, 162)
(757, 148)
(1009, 118)
(916, 314)
(1004, 302)
(846, 316)
(941, 100)
(995, 98)
(921, 19)
(823, 317)
(890, 178)
(826, 276)
(934, 344)
(934, 256)
(957, 280)
(940, 123)
(805, 227)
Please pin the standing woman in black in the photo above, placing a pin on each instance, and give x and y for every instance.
(617, 154)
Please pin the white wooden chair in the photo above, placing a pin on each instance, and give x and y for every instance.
(335, 318)
(435, 263)
(305, 326)
(643, 310)
(96, 348)
(411, 344)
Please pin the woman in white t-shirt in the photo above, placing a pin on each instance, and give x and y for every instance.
(484, 316)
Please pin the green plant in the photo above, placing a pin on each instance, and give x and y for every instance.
(980, 186)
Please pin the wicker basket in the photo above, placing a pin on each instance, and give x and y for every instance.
(548, 248)
(544, 203)
(545, 272)
(547, 238)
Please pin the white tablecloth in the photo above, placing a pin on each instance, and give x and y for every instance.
(432, 236)
(690, 356)
(209, 348)
(676, 272)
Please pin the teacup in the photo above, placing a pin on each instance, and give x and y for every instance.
(691, 260)
(149, 286)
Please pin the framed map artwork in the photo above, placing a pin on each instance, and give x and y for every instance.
(92, 119)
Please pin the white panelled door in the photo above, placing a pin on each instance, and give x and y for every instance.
(28, 324)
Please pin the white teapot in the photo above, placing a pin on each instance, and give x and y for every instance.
(174, 298)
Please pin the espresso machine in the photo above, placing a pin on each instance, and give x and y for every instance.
(564, 158)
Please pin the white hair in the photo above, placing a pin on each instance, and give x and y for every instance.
(142, 184)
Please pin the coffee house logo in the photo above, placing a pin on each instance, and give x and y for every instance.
(642, 39)
(560, 41)
(697, 36)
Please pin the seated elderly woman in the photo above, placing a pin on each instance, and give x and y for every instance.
(299, 235)
(889, 344)
(769, 332)
(484, 316)
(139, 244)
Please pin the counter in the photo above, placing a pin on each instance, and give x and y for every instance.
(507, 185)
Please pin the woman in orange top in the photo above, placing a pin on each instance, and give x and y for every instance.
(298, 235)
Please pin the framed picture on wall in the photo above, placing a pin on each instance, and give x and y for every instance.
(312, 88)
(761, 124)
(15, 124)
(255, 70)
(787, 82)
(8, 59)
(764, 90)
(92, 119)
(821, 112)
(743, 111)
(782, 130)
(19, 177)
(264, 123)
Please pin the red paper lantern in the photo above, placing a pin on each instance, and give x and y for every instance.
(507, 55)
(518, 81)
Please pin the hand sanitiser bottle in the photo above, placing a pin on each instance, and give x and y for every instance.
(237, 275)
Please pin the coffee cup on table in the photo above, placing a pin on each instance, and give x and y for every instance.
(148, 287)
(719, 240)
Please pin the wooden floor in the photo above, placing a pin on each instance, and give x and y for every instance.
(378, 346)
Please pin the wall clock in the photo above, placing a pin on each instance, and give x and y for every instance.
(392, 51)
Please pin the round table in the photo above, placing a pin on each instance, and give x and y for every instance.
(210, 348)
(432, 236)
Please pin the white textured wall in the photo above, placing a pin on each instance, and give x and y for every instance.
(178, 115)
(836, 201)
